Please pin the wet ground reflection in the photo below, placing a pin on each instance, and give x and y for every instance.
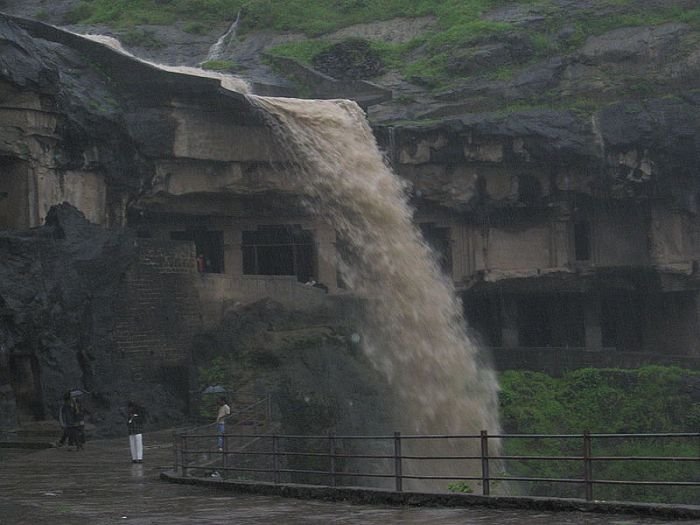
(102, 486)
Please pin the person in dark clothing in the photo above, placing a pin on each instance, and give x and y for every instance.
(70, 422)
(79, 423)
(134, 425)
(65, 435)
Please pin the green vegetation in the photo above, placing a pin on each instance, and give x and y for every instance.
(652, 399)
(303, 50)
(459, 24)
(219, 65)
(196, 28)
(136, 37)
(460, 486)
(42, 14)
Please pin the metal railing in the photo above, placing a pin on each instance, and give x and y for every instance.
(394, 461)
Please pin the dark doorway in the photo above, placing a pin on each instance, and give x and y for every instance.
(26, 385)
(621, 321)
(209, 246)
(279, 250)
(582, 241)
(439, 240)
(551, 320)
(483, 316)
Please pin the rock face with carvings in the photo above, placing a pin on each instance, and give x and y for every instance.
(559, 229)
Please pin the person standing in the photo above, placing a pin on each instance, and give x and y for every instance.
(134, 425)
(222, 413)
(79, 431)
(66, 417)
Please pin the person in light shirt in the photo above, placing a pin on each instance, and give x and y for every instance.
(223, 412)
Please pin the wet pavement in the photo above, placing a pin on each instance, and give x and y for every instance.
(100, 485)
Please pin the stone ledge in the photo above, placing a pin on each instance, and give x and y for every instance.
(420, 499)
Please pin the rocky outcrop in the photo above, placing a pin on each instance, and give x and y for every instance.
(59, 290)
(645, 149)
(77, 115)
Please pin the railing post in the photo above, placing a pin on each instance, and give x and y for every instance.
(224, 459)
(176, 451)
(331, 451)
(485, 475)
(275, 458)
(268, 410)
(398, 474)
(587, 465)
(175, 448)
(185, 456)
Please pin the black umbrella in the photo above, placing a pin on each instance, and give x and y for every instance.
(215, 389)
(77, 392)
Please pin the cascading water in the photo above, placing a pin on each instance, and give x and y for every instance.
(217, 51)
(415, 332)
(230, 82)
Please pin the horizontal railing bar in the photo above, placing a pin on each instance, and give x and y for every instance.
(454, 478)
(546, 458)
(665, 434)
(443, 457)
(645, 458)
(658, 483)
(685, 459)
(301, 471)
(548, 480)
(361, 475)
(241, 469)
(453, 436)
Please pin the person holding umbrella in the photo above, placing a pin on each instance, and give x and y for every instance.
(134, 425)
(222, 413)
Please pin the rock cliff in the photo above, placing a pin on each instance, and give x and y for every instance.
(614, 116)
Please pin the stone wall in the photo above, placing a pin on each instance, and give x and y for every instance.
(158, 308)
(219, 291)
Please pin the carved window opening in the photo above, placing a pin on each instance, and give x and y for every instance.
(622, 321)
(551, 321)
(438, 239)
(582, 240)
(26, 385)
(209, 248)
(279, 250)
(14, 191)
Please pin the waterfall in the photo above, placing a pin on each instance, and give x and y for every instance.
(230, 82)
(415, 332)
(216, 51)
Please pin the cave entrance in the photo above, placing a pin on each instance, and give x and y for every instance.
(551, 320)
(438, 238)
(279, 250)
(26, 385)
(622, 321)
(14, 191)
(209, 247)
(483, 316)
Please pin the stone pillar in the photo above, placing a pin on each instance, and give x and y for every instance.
(560, 251)
(667, 233)
(510, 336)
(233, 253)
(326, 268)
(462, 256)
(591, 322)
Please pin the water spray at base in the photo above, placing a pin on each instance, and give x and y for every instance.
(415, 332)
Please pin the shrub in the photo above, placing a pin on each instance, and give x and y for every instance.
(219, 65)
(79, 13)
(140, 38)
